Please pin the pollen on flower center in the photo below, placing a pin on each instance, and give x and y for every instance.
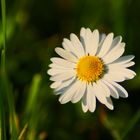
(89, 68)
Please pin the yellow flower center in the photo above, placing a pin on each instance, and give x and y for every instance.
(89, 68)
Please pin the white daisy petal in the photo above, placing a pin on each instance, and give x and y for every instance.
(67, 95)
(114, 54)
(79, 94)
(67, 44)
(57, 66)
(55, 84)
(82, 36)
(85, 36)
(119, 68)
(113, 91)
(129, 64)
(59, 71)
(120, 65)
(120, 73)
(106, 45)
(118, 77)
(65, 54)
(64, 85)
(95, 42)
(124, 59)
(116, 42)
(109, 103)
(91, 100)
(122, 92)
(129, 74)
(101, 38)
(63, 62)
(90, 40)
(84, 107)
(63, 76)
(84, 103)
(99, 93)
(104, 87)
(77, 45)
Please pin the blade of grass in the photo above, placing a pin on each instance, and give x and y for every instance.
(8, 115)
(2, 120)
(3, 62)
(108, 125)
(3, 8)
(131, 124)
(2, 107)
(22, 132)
(32, 107)
(33, 93)
(7, 95)
(113, 131)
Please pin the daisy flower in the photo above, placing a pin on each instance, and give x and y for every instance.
(90, 69)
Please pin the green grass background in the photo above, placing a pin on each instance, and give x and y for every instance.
(28, 108)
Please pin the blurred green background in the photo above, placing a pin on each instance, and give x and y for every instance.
(34, 29)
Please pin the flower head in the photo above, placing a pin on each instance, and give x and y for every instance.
(90, 68)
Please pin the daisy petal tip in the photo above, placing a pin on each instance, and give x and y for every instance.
(120, 37)
(111, 34)
(72, 36)
(134, 73)
(61, 101)
(123, 44)
(126, 96)
(64, 40)
(117, 97)
(48, 72)
(96, 32)
(57, 49)
(82, 29)
(52, 86)
(85, 110)
(112, 108)
(91, 110)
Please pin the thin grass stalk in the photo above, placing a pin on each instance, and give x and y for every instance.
(3, 8)
(2, 121)
(32, 107)
(7, 96)
(131, 125)
(3, 71)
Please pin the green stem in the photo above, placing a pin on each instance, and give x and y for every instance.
(113, 131)
(131, 124)
(3, 62)
(2, 121)
(33, 107)
(3, 75)
(22, 132)
(6, 94)
(3, 8)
